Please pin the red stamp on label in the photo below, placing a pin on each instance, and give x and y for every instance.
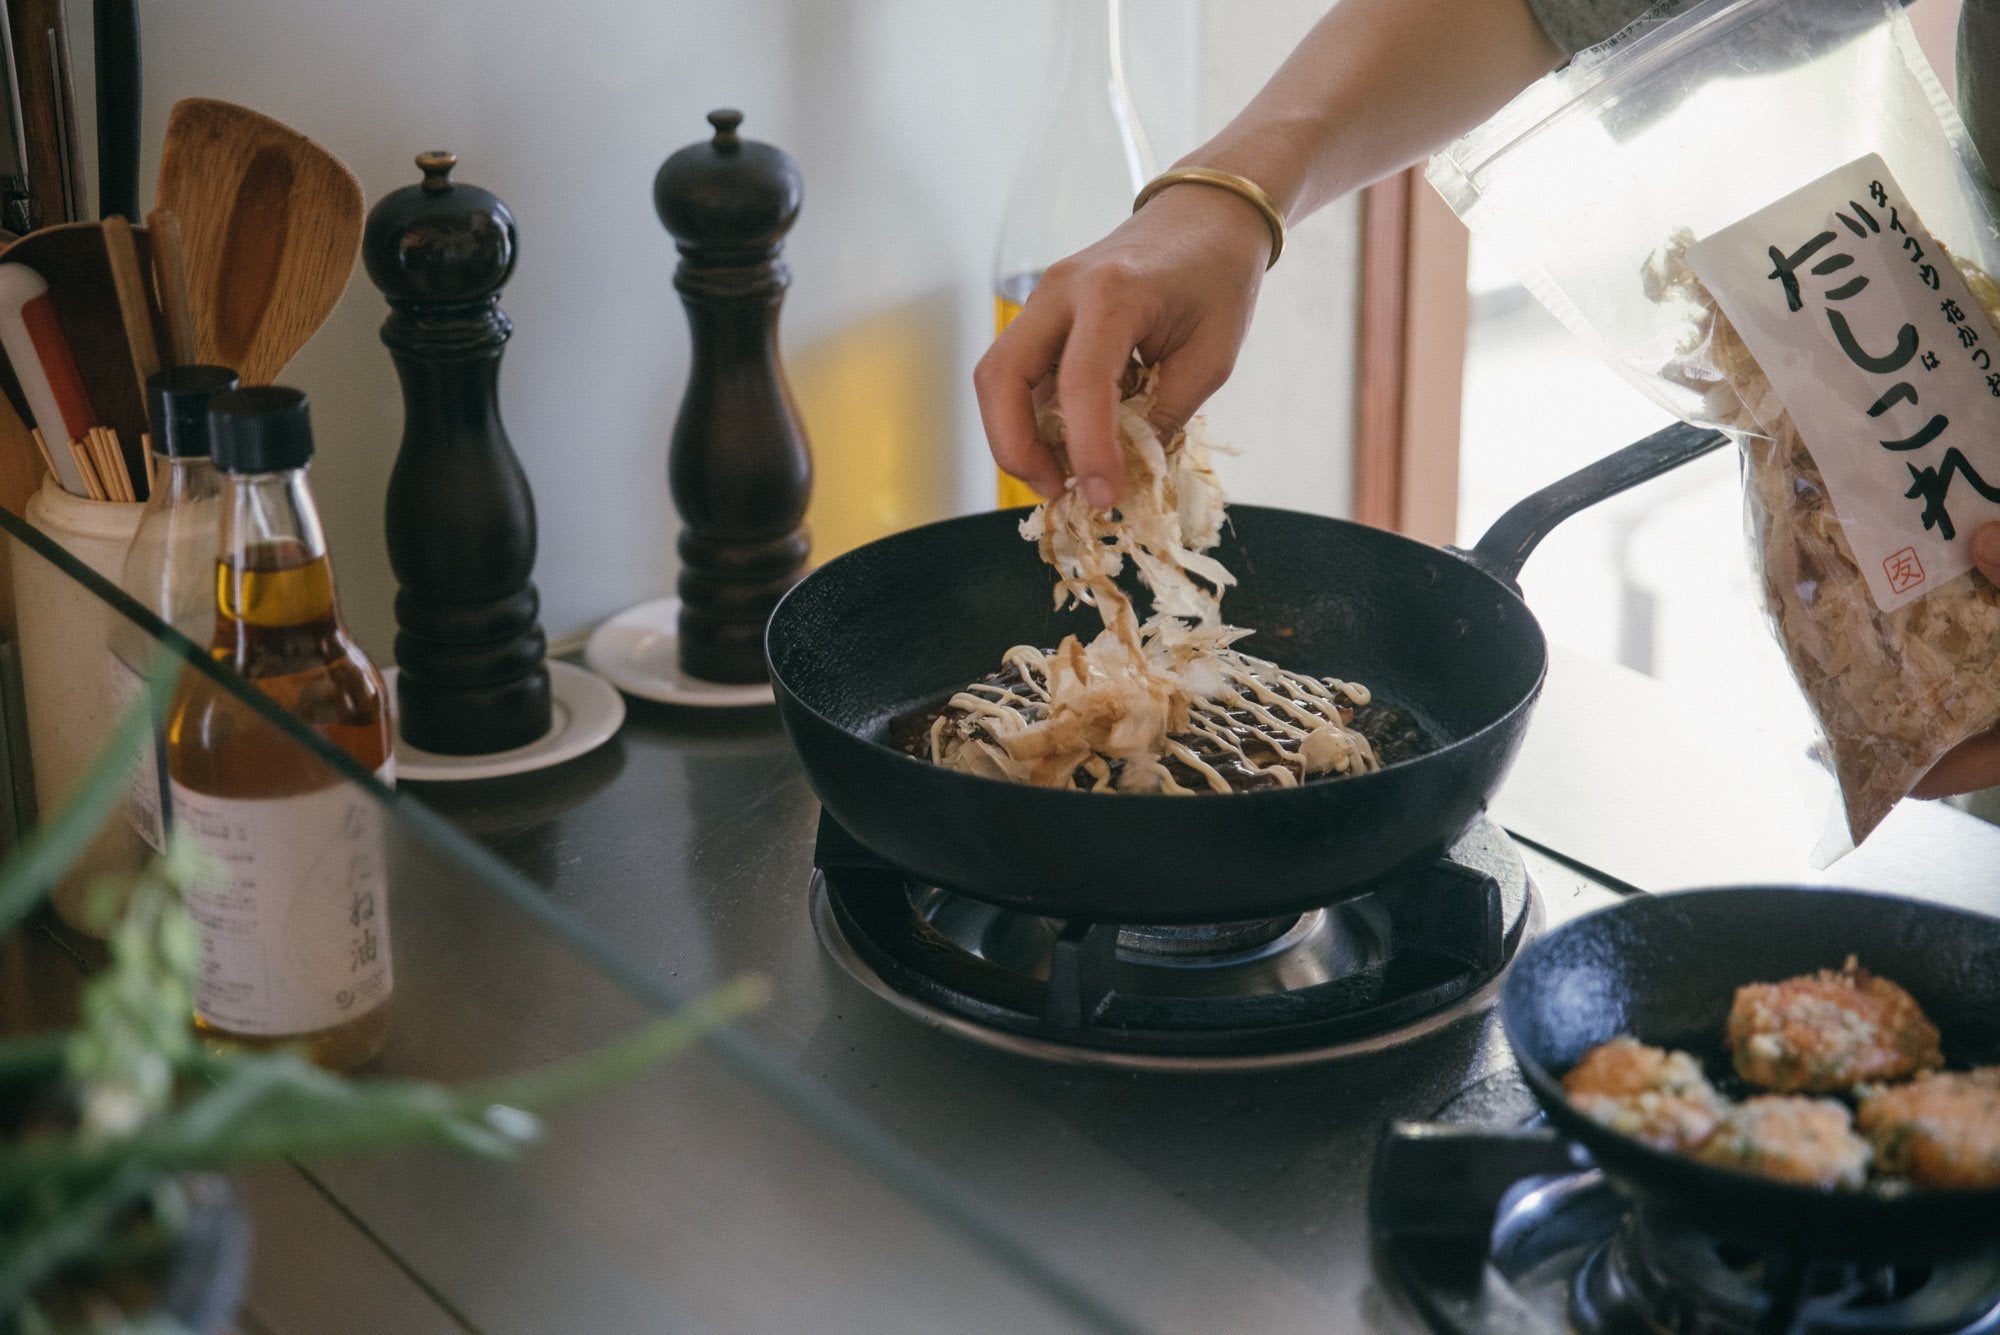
(1904, 570)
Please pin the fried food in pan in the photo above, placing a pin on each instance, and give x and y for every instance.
(1792, 1138)
(1939, 1130)
(1829, 1031)
(1648, 1093)
(1840, 1032)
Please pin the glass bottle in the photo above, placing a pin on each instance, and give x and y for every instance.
(295, 934)
(1089, 159)
(170, 567)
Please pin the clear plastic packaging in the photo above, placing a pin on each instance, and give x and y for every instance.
(1767, 215)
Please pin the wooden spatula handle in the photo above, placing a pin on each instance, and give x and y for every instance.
(135, 307)
(170, 284)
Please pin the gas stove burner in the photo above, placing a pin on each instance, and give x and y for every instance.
(1212, 940)
(1380, 968)
(1521, 1240)
(1655, 1275)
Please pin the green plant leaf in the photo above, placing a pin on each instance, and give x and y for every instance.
(622, 1059)
(155, 1103)
(68, 1191)
(33, 1058)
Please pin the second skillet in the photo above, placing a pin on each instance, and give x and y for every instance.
(1663, 969)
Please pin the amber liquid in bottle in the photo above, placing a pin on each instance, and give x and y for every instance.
(277, 624)
(1007, 303)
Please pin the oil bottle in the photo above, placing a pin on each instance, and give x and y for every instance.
(170, 567)
(1089, 160)
(295, 931)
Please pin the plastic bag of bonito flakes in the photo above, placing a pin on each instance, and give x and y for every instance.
(1766, 214)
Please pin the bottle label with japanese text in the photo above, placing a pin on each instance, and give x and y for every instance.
(1887, 364)
(295, 927)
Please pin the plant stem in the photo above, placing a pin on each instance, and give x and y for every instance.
(623, 1058)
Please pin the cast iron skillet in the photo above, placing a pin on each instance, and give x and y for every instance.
(898, 625)
(1663, 969)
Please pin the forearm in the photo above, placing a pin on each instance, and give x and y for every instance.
(1375, 86)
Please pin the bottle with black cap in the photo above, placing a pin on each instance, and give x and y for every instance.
(295, 935)
(170, 567)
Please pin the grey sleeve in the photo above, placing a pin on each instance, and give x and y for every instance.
(1576, 24)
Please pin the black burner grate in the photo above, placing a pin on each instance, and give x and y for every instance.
(1488, 1225)
(1364, 967)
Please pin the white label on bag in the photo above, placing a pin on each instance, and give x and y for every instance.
(295, 932)
(1887, 364)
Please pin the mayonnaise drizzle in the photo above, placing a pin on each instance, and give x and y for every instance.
(1292, 729)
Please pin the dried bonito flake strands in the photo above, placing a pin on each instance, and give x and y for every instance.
(1272, 727)
(1117, 710)
(1891, 691)
(1170, 516)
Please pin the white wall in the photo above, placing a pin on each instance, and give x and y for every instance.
(906, 117)
(1289, 405)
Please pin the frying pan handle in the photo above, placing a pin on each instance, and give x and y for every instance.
(1505, 547)
(1442, 1179)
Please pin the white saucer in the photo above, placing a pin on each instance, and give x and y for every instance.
(584, 712)
(640, 651)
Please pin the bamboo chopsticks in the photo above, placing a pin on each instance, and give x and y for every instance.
(100, 459)
(154, 324)
(134, 312)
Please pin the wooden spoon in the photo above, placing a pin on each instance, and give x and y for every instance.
(270, 226)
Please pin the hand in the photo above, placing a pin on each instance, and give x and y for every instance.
(1975, 763)
(1177, 281)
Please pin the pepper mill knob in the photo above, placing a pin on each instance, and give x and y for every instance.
(472, 677)
(439, 242)
(436, 166)
(737, 466)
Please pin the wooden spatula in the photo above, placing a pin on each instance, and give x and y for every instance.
(270, 226)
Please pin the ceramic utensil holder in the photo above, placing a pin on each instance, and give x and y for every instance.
(65, 671)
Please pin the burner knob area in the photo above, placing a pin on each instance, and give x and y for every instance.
(1445, 1180)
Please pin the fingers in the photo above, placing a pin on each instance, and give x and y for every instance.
(1005, 380)
(1176, 281)
(1966, 768)
(1986, 550)
(1187, 378)
(1087, 386)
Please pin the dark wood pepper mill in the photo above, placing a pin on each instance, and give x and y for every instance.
(738, 467)
(472, 677)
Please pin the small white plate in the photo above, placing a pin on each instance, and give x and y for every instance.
(583, 714)
(640, 651)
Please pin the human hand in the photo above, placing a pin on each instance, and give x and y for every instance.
(1177, 281)
(1975, 763)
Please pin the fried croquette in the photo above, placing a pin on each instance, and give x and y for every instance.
(1791, 1138)
(1939, 1130)
(1657, 1096)
(1829, 1031)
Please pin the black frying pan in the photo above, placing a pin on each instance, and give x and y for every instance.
(1664, 968)
(898, 625)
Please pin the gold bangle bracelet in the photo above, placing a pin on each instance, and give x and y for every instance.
(1241, 186)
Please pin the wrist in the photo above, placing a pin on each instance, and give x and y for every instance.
(1246, 191)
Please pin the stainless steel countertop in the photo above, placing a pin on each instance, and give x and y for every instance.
(712, 1196)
